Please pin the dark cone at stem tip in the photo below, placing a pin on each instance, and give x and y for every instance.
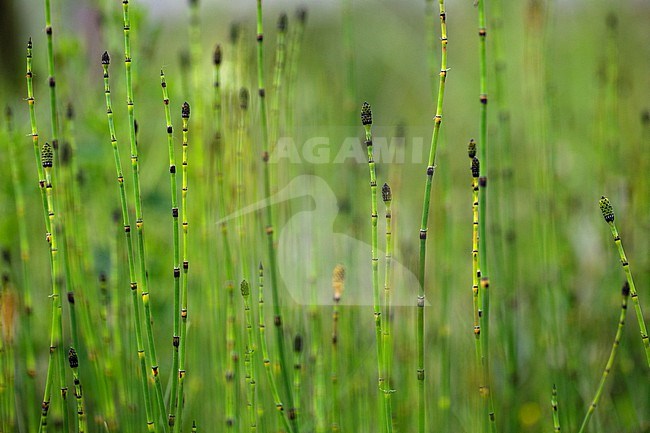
(185, 110)
(72, 358)
(476, 167)
(245, 288)
(46, 155)
(106, 59)
(282, 22)
(386, 193)
(471, 149)
(216, 56)
(366, 114)
(606, 209)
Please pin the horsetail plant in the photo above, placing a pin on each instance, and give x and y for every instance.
(295, 45)
(44, 158)
(129, 248)
(139, 224)
(270, 236)
(366, 121)
(278, 77)
(625, 293)
(387, 341)
(475, 168)
(484, 300)
(185, 117)
(173, 402)
(338, 285)
(608, 214)
(556, 415)
(265, 354)
(249, 356)
(73, 360)
(297, 369)
(54, 117)
(431, 166)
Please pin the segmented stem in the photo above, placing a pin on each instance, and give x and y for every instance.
(139, 223)
(625, 292)
(129, 248)
(431, 166)
(387, 351)
(270, 236)
(265, 354)
(249, 358)
(73, 360)
(173, 403)
(556, 415)
(185, 118)
(608, 214)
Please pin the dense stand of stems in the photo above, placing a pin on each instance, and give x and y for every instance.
(430, 170)
(265, 354)
(270, 235)
(139, 215)
(129, 249)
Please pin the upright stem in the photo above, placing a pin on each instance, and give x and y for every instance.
(129, 249)
(608, 214)
(431, 166)
(625, 292)
(73, 360)
(54, 117)
(139, 223)
(185, 116)
(556, 415)
(366, 120)
(265, 355)
(387, 343)
(277, 320)
(484, 298)
(249, 356)
(173, 403)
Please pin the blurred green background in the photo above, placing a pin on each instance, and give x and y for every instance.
(569, 121)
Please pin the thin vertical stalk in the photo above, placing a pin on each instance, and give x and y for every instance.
(73, 360)
(556, 415)
(387, 338)
(129, 248)
(241, 187)
(297, 370)
(475, 168)
(265, 354)
(431, 167)
(338, 285)
(270, 236)
(249, 358)
(295, 45)
(608, 214)
(26, 289)
(173, 402)
(278, 77)
(54, 117)
(625, 292)
(366, 121)
(45, 187)
(185, 116)
(484, 297)
(139, 224)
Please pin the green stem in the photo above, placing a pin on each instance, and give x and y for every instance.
(249, 358)
(608, 214)
(431, 167)
(81, 414)
(139, 224)
(173, 403)
(556, 415)
(129, 248)
(387, 342)
(277, 320)
(625, 292)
